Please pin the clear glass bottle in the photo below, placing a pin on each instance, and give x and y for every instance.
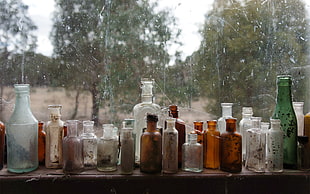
(299, 112)
(226, 113)
(54, 136)
(212, 146)
(265, 128)
(107, 150)
(303, 153)
(89, 144)
(275, 147)
(72, 150)
(192, 154)
(41, 143)
(231, 148)
(151, 147)
(127, 150)
(170, 147)
(245, 124)
(22, 134)
(2, 144)
(140, 110)
(285, 112)
(255, 147)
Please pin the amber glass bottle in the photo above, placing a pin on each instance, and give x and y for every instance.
(180, 127)
(151, 147)
(2, 144)
(212, 146)
(198, 129)
(231, 148)
(41, 143)
(307, 133)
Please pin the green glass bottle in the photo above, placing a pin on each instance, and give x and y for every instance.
(285, 112)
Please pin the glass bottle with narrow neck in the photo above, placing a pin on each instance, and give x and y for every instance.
(212, 146)
(41, 143)
(299, 111)
(22, 134)
(226, 113)
(2, 144)
(198, 129)
(89, 144)
(127, 150)
(303, 153)
(192, 154)
(285, 112)
(139, 111)
(170, 147)
(245, 124)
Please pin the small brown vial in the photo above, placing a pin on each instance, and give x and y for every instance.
(212, 146)
(41, 143)
(2, 144)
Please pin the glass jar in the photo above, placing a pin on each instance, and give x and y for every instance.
(89, 144)
(192, 154)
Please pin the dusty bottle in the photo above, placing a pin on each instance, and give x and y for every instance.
(245, 124)
(89, 144)
(180, 127)
(170, 147)
(139, 111)
(107, 150)
(307, 132)
(41, 142)
(2, 144)
(72, 150)
(212, 146)
(198, 129)
(303, 154)
(299, 112)
(285, 112)
(231, 148)
(226, 113)
(54, 137)
(151, 147)
(127, 150)
(192, 154)
(22, 134)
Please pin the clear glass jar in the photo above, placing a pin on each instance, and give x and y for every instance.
(192, 155)
(226, 113)
(89, 144)
(170, 147)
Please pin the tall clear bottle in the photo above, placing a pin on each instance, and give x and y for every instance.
(299, 112)
(170, 147)
(54, 136)
(22, 134)
(89, 144)
(285, 112)
(2, 144)
(275, 147)
(226, 114)
(127, 150)
(192, 154)
(212, 146)
(140, 110)
(245, 124)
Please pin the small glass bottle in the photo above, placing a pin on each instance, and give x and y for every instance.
(265, 128)
(255, 148)
(198, 129)
(22, 134)
(72, 150)
(299, 111)
(127, 150)
(307, 132)
(303, 153)
(54, 136)
(151, 147)
(231, 148)
(170, 147)
(41, 142)
(212, 146)
(275, 147)
(2, 144)
(226, 113)
(245, 124)
(192, 154)
(107, 150)
(89, 144)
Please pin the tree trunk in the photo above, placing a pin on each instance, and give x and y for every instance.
(76, 104)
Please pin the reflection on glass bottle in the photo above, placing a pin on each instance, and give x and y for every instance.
(107, 150)
(54, 137)
(170, 147)
(226, 113)
(2, 144)
(89, 144)
(299, 112)
(72, 150)
(285, 112)
(231, 148)
(41, 142)
(127, 150)
(192, 154)
(22, 134)
(212, 146)
(140, 110)
(244, 125)
(303, 153)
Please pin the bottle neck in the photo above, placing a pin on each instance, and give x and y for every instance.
(147, 99)
(284, 94)
(174, 114)
(247, 116)
(230, 125)
(72, 128)
(226, 111)
(151, 126)
(22, 100)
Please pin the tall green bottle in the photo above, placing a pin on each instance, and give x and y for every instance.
(285, 112)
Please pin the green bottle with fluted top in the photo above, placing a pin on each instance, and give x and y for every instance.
(285, 112)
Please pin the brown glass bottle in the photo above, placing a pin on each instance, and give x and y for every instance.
(2, 144)
(198, 129)
(180, 127)
(151, 147)
(41, 143)
(212, 146)
(307, 133)
(231, 148)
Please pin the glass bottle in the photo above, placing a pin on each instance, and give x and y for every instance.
(231, 148)
(255, 147)
(2, 144)
(127, 150)
(22, 134)
(307, 132)
(285, 112)
(151, 147)
(180, 127)
(303, 153)
(89, 144)
(72, 150)
(299, 112)
(41, 142)
(54, 137)
(140, 110)
(212, 146)
(170, 147)
(192, 154)
(226, 113)
(198, 129)
(107, 150)
(265, 128)
(245, 124)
